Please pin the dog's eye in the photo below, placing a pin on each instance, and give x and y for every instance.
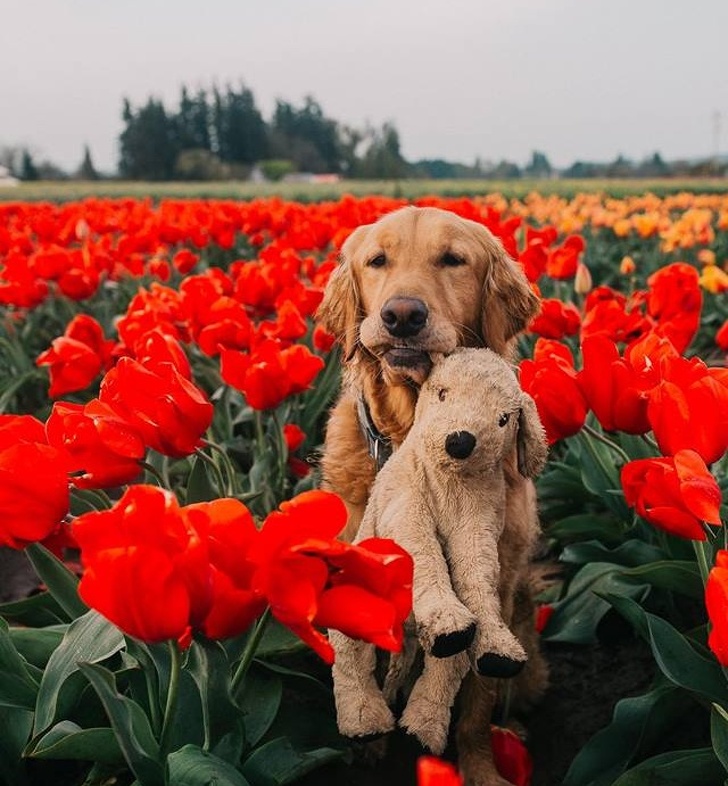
(378, 261)
(504, 418)
(451, 260)
(442, 393)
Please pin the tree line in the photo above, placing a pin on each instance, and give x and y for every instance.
(218, 134)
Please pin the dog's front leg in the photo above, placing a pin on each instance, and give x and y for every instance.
(475, 755)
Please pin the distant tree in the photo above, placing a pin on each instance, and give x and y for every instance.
(383, 158)
(654, 166)
(580, 169)
(148, 145)
(620, 167)
(28, 169)
(11, 157)
(505, 170)
(539, 167)
(87, 170)
(200, 165)
(239, 134)
(192, 121)
(306, 136)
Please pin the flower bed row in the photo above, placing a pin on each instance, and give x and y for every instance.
(164, 393)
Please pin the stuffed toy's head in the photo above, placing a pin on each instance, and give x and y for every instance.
(471, 414)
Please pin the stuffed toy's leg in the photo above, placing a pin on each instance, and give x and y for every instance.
(495, 651)
(361, 710)
(444, 623)
(427, 714)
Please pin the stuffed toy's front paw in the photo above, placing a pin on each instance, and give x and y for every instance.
(368, 717)
(428, 722)
(491, 664)
(445, 632)
(499, 654)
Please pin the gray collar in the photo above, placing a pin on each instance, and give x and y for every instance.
(378, 446)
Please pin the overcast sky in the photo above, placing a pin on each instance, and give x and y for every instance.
(577, 79)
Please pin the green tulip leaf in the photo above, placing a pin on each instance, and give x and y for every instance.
(131, 727)
(192, 766)
(259, 700)
(15, 727)
(719, 733)
(61, 582)
(638, 723)
(18, 687)
(89, 638)
(677, 768)
(209, 667)
(677, 657)
(200, 487)
(37, 645)
(67, 740)
(277, 762)
(37, 611)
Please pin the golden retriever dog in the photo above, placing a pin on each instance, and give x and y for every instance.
(417, 282)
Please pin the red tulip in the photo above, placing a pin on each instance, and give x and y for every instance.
(146, 568)
(103, 449)
(675, 301)
(311, 580)
(270, 373)
(77, 357)
(716, 601)
(556, 319)
(432, 771)
(688, 408)
(169, 411)
(563, 260)
(675, 493)
(34, 496)
(552, 383)
(510, 756)
(615, 392)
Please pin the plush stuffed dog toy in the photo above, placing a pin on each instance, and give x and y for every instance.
(442, 496)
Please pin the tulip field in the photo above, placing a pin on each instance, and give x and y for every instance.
(164, 388)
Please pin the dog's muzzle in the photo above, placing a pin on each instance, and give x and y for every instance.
(459, 444)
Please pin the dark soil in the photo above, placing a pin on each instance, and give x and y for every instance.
(586, 683)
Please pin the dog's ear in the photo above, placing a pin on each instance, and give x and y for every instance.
(509, 303)
(531, 445)
(340, 311)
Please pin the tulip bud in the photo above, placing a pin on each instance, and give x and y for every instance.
(582, 280)
(627, 266)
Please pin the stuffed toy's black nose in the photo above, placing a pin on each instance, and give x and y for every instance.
(459, 444)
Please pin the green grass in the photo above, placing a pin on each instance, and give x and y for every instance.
(309, 192)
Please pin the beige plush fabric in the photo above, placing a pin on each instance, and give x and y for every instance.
(443, 497)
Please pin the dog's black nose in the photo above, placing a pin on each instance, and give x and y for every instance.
(404, 316)
(459, 444)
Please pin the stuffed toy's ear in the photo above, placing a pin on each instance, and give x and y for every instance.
(509, 303)
(532, 448)
(340, 311)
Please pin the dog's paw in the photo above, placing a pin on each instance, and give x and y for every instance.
(365, 719)
(446, 631)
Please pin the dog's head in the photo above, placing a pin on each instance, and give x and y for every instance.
(471, 415)
(421, 281)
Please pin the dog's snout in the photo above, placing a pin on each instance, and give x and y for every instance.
(404, 316)
(459, 444)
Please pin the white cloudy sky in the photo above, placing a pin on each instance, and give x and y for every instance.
(578, 79)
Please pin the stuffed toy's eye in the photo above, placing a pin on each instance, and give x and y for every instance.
(504, 418)
(442, 393)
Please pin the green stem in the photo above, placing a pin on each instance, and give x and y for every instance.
(250, 650)
(230, 488)
(282, 452)
(259, 433)
(154, 472)
(218, 473)
(700, 547)
(613, 445)
(170, 708)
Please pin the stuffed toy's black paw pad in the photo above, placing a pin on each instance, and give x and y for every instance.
(501, 666)
(447, 644)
